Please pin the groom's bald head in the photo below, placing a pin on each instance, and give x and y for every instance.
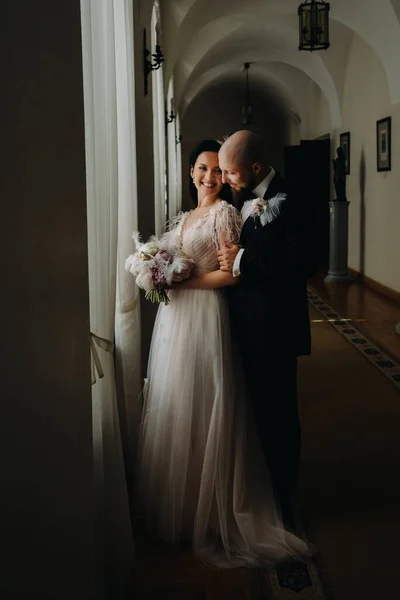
(243, 160)
(246, 147)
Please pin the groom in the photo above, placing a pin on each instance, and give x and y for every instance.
(269, 308)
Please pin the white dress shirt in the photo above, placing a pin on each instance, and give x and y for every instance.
(258, 192)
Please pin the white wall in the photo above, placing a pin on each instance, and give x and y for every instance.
(317, 120)
(374, 234)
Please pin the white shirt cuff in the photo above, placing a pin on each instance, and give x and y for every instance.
(236, 264)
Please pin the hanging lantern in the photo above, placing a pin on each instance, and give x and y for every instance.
(247, 109)
(314, 25)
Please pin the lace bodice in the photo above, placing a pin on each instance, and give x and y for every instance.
(202, 239)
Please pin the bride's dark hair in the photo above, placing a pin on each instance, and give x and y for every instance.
(206, 146)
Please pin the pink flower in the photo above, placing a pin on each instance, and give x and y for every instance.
(157, 273)
(258, 206)
(183, 273)
(165, 255)
(181, 268)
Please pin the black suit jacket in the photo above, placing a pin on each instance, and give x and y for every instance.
(269, 307)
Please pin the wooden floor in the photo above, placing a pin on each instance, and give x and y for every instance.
(373, 314)
(349, 487)
(165, 574)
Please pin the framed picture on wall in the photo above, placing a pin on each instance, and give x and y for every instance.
(345, 143)
(383, 144)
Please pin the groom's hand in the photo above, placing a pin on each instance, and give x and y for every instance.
(226, 257)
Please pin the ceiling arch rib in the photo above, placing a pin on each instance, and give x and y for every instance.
(251, 42)
(204, 13)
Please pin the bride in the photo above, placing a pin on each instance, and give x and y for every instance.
(201, 474)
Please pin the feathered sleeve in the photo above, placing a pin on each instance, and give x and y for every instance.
(171, 238)
(227, 225)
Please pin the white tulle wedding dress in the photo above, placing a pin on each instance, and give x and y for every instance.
(201, 474)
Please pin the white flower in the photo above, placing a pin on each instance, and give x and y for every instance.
(150, 247)
(132, 263)
(145, 281)
(136, 263)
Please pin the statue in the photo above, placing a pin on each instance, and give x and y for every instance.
(339, 176)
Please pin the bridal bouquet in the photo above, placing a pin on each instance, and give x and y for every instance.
(156, 266)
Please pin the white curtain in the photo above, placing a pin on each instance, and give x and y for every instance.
(127, 316)
(107, 32)
(160, 174)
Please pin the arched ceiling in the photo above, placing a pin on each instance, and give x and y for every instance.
(209, 40)
(266, 45)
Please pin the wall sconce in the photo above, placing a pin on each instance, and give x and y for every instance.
(295, 115)
(171, 116)
(148, 65)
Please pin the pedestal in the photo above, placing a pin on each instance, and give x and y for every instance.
(338, 243)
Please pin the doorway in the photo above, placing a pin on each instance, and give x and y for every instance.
(307, 174)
